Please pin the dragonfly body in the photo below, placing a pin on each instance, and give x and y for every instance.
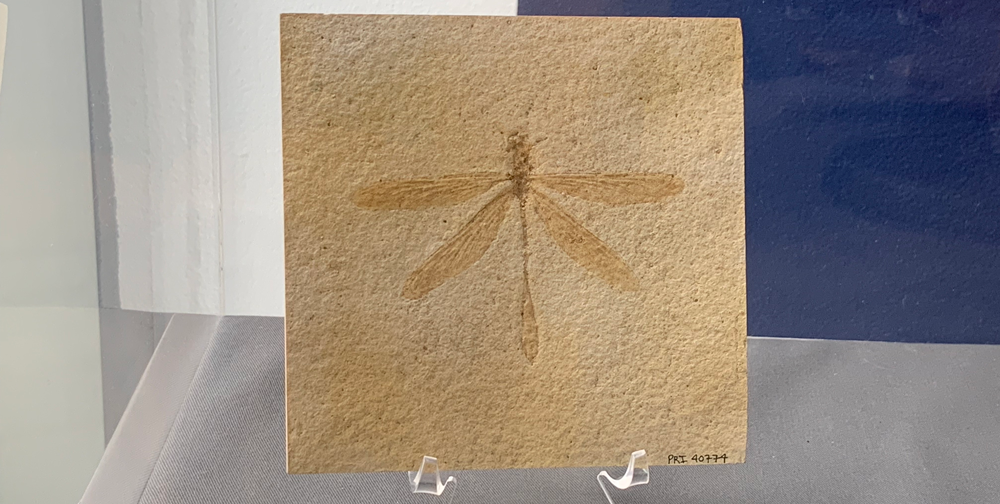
(522, 185)
(520, 176)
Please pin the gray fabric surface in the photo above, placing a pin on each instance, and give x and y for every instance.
(830, 421)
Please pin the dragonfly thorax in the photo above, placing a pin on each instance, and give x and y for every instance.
(520, 160)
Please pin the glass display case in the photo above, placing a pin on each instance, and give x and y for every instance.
(142, 260)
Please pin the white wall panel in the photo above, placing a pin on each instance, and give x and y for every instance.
(164, 156)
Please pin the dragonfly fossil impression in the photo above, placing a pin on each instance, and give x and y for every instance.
(521, 185)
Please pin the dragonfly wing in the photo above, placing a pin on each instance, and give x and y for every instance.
(614, 188)
(454, 257)
(417, 194)
(582, 246)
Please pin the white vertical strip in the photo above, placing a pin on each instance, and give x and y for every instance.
(131, 160)
(158, 57)
(184, 185)
(250, 132)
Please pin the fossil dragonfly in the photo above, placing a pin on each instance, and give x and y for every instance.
(523, 186)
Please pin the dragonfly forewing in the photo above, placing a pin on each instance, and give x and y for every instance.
(418, 194)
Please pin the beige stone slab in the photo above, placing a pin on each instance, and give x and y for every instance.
(512, 241)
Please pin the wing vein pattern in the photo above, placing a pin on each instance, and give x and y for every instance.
(467, 247)
(583, 246)
(418, 194)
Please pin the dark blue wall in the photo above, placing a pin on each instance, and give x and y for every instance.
(872, 163)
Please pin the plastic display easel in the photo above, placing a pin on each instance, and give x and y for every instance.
(427, 479)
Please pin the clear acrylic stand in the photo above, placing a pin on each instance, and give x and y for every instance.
(637, 473)
(427, 479)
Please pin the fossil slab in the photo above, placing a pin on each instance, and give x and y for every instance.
(513, 242)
